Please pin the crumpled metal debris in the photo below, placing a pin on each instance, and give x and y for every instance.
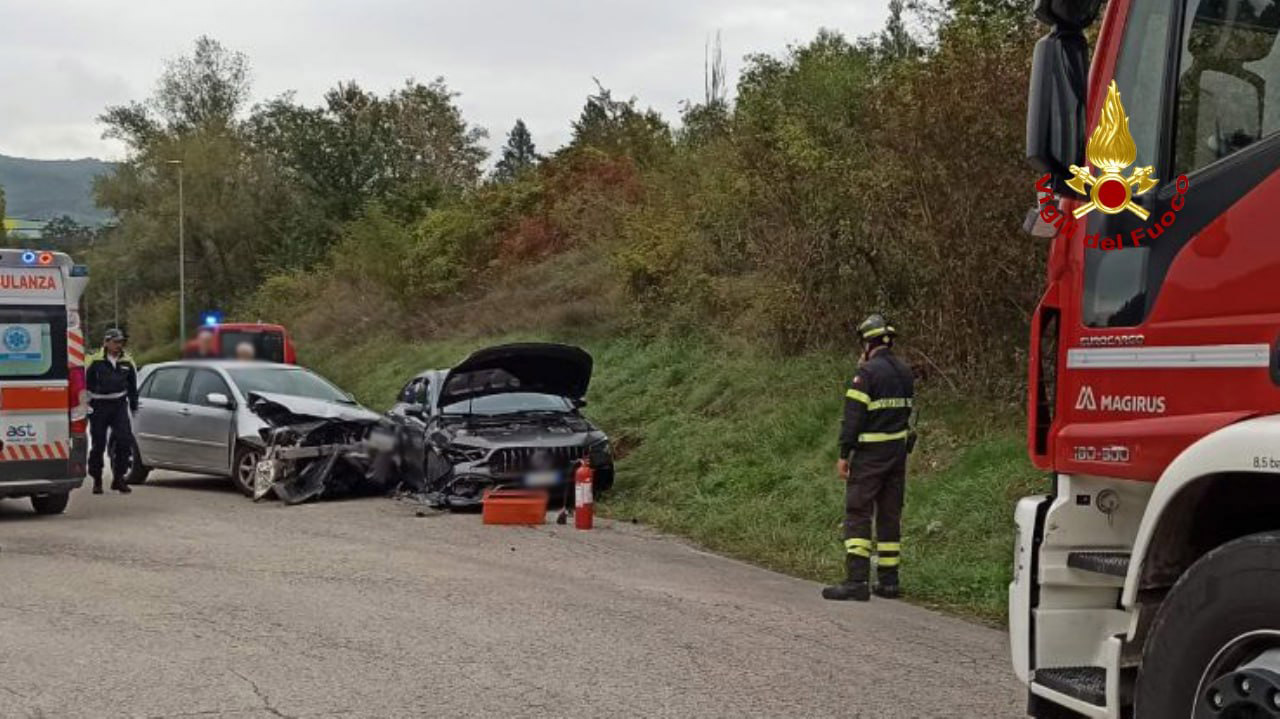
(323, 450)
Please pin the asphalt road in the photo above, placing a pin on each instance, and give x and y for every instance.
(186, 600)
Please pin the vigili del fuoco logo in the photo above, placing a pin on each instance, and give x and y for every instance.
(1111, 150)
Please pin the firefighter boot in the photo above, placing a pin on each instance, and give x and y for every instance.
(853, 588)
(888, 588)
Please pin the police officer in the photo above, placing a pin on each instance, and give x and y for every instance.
(112, 382)
(874, 442)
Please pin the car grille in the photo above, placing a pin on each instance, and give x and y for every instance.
(515, 460)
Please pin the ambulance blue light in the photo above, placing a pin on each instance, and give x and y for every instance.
(28, 258)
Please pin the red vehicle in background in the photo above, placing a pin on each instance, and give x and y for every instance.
(270, 342)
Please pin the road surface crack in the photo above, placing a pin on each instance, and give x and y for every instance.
(262, 697)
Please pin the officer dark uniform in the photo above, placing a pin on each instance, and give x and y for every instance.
(874, 443)
(112, 381)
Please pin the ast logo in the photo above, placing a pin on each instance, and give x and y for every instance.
(21, 434)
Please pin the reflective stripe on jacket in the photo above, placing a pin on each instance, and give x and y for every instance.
(105, 381)
(878, 402)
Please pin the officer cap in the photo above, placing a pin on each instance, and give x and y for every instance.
(113, 334)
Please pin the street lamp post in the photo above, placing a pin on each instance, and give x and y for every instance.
(182, 263)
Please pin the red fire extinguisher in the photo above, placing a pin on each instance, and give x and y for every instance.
(584, 503)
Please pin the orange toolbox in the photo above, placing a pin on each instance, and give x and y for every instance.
(515, 506)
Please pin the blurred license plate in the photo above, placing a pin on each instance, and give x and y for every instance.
(542, 479)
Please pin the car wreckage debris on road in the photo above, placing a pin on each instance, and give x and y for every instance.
(507, 416)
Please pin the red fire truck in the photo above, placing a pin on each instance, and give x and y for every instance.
(270, 342)
(1147, 581)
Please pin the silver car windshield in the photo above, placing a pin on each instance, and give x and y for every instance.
(291, 381)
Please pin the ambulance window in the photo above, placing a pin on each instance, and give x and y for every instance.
(167, 384)
(30, 339)
(1227, 87)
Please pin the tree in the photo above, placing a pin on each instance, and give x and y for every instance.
(237, 209)
(618, 128)
(405, 151)
(518, 155)
(895, 42)
(64, 234)
(201, 91)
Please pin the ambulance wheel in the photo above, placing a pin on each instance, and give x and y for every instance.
(51, 503)
(137, 470)
(1214, 648)
(244, 468)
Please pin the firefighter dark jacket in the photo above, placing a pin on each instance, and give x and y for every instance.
(877, 403)
(107, 382)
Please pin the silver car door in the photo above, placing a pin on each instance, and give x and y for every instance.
(207, 428)
(158, 421)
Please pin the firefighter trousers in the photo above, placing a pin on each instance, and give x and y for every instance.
(875, 490)
(113, 415)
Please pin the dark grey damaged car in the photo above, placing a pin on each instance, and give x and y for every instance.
(506, 416)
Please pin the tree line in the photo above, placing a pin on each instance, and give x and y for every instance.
(843, 176)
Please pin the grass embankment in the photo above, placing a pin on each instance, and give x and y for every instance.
(735, 449)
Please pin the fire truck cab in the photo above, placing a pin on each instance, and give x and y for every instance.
(220, 340)
(43, 403)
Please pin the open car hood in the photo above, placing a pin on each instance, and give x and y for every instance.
(281, 409)
(548, 368)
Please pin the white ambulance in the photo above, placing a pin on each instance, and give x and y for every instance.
(43, 402)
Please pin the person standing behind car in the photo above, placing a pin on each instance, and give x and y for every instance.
(112, 381)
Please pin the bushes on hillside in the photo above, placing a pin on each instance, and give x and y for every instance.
(847, 176)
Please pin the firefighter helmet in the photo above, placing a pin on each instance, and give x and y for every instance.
(875, 326)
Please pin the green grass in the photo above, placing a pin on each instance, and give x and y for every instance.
(735, 449)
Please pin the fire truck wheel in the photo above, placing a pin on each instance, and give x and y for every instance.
(1214, 648)
(51, 503)
(138, 471)
(244, 468)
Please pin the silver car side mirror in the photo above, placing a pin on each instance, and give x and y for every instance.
(218, 399)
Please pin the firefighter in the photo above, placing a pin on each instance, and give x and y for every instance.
(112, 381)
(875, 439)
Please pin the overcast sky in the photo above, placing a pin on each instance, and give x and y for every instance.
(63, 61)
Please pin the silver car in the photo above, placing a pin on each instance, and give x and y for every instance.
(193, 416)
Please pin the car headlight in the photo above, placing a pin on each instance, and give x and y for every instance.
(457, 454)
(599, 449)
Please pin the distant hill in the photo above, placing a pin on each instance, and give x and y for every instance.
(44, 189)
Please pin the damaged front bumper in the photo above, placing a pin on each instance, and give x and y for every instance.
(341, 454)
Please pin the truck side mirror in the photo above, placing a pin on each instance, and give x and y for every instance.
(1056, 104)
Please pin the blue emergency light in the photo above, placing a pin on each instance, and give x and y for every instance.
(212, 318)
(28, 258)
